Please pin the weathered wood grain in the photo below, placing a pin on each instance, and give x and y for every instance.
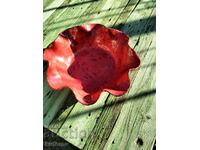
(126, 122)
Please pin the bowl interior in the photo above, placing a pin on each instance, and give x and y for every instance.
(94, 67)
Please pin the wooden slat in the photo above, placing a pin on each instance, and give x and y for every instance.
(80, 122)
(126, 122)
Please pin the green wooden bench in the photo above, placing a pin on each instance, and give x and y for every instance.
(126, 122)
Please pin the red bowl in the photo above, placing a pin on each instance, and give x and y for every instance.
(90, 59)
